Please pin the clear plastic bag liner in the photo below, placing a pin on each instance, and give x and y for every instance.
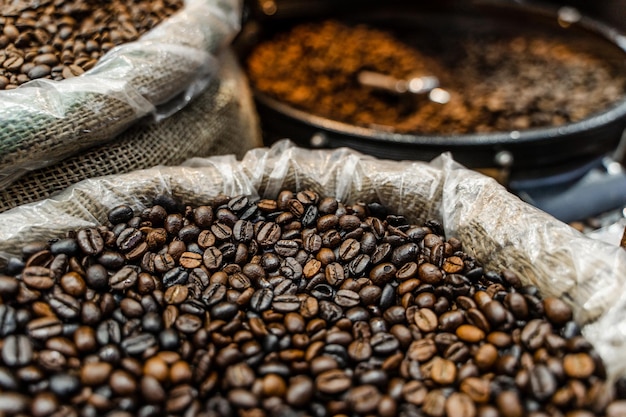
(496, 227)
(44, 121)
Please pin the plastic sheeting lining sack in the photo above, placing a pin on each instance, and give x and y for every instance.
(45, 121)
(496, 227)
(221, 120)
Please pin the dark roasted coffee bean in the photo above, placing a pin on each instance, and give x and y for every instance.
(334, 274)
(542, 383)
(8, 320)
(64, 246)
(384, 343)
(329, 311)
(123, 279)
(285, 303)
(534, 333)
(381, 253)
(38, 277)
(224, 310)
(429, 273)
(333, 382)
(64, 385)
(477, 318)
(120, 214)
(443, 371)
(268, 234)
(90, 241)
(8, 285)
(109, 332)
(12, 403)
(404, 253)
(128, 239)
(382, 273)
(422, 350)
(450, 320)
(175, 276)
(44, 328)
(426, 320)
(347, 298)
(494, 312)
(65, 306)
(557, 311)
(17, 350)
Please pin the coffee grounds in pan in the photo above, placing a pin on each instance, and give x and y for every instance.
(496, 84)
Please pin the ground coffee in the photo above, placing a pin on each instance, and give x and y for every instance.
(497, 83)
(295, 306)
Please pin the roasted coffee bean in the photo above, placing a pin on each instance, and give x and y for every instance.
(138, 344)
(382, 273)
(426, 320)
(384, 343)
(495, 312)
(451, 320)
(469, 333)
(38, 277)
(8, 285)
(534, 333)
(363, 399)
(414, 392)
(557, 311)
(329, 311)
(261, 300)
(8, 320)
(90, 241)
(334, 274)
(347, 298)
(429, 273)
(542, 383)
(578, 365)
(17, 350)
(381, 253)
(287, 326)
(65, 306)
(44, 328)
(124, 279)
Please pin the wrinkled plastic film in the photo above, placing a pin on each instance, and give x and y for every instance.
(496, 227)
(44, 121)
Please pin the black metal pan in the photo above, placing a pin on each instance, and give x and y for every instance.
(526, 153)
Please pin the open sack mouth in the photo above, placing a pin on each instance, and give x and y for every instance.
(320, 279)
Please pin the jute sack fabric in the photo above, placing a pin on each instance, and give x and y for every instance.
(45, 121)
(221, 120)
(496, 227)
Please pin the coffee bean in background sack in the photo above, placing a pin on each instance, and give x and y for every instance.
(268, 315)
(63, 39)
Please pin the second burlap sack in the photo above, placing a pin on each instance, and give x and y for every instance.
(496, 227)
(221, 120)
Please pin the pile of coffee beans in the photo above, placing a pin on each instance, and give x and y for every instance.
(63, 38)
(299, 306)
(496, 83)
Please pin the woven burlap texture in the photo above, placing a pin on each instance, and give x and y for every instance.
(46, 121)
(499, 229)
(220, 121)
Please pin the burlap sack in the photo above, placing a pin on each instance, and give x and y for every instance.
(221, 120)
(496, 227)
(46, 121)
